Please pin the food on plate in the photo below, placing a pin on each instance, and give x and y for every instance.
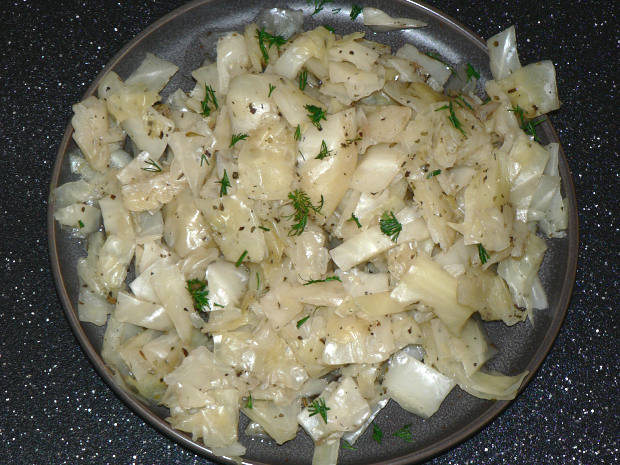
(314, 229)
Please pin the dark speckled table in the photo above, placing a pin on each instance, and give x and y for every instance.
(54, 408)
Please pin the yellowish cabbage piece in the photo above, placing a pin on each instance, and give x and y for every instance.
(90, 131)
(250, 103)
(232, 59)
(279, 421)
(438, 72)
(114, 259)
(377, 168)
(308, 45)
(380, 21)
(227, 283)
(184, 226)
(192, 152)
(152, 75)
(350, 50)
(428, 282)
(149, 315)
(116, 218)
(532, 88)
(357, 82)
(292, 102)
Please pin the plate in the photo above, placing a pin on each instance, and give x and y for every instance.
(185, 37)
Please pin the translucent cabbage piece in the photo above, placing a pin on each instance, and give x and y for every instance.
(380, 21)
(504, 59)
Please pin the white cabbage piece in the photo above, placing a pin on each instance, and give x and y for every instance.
(292, 102)
(149, 132)
(151, 193)
(116, 334)
(308, 45)
(153, 74)
(350, 50)
(149, 226)
(130, 309)
(504, 59)
(250, 103)
(357, 82)
(84, 218)
(192, 153)
(185, 229)
(326, 453)
(383, 123)
(116, 218)
(358, 283)
(417, 387)
(73, 192)
(114, 259)
(279, 421)
(194, 266)
(308, 254)
(380, 21)
(227, 283)
(428, 282)
(90, 131)
(280, 305)
(377, 168)
(439, 71)
(92, 307)
(232, 59)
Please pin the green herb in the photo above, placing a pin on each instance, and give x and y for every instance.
(404, 433)
(316, 114)
(302, 321)
(471, 72)
(486, 100)
(236, 138)
(529, 127)
(318, 5)
(224, 184)
(435, 56)
(350, 141)
(462, 102)
(336, 10)
(209, 97)
(80, 224)
(198, 291)
(264, 228)
(329, 278)
(390, 226)
(354, 218)
(483, 254)
(203, 158)
(433, 173)
(452, 118)
(347, 445)
(318, 407)
(153, 166)
(302, 205)
(257, 281)
(298, 133)
(215, 304)
(355, 11)
(329, 28)
(240, 259)
(324, 152)
(303, 79)
(270, 40)
(271, 89)
(377, 434)
(249, 403)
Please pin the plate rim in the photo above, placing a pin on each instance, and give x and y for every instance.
(431, 450)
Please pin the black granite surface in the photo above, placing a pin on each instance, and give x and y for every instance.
(54, 409)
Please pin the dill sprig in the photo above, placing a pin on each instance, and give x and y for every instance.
(209, 97)
(377, 434)
(240, 259)
(433, 173)
(356, 219)
(452, 117)
(329, 278)
(302, 205)
(224, 184)
(236, 138)
(318, 407)
(198, 291)
(152, 167)
(347, 445)
(529, 127)
(266, 41)
(271, 89)
(471, 72)
(318, 5)
(203, 158)
(459, 99)
(390, 226)
(329, 28)
(303, 80)
(80, 224)
(405, 433)
(316, 114)
(298, 132)
(324, 152)
(249, 403)
(355, 11)
(483, 254)
(302, 321)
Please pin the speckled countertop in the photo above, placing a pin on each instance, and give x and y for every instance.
(54, 408)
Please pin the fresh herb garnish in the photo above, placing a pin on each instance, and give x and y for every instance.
(302, 321)
(483, 254)
(257, 281)
(329, 278)
(203, 158)
(404, 433)
(377, 434)
(302, 205)
(471, 72)
(298, 133)
(198, 291)
(529, 127)
(316, 114)
(303, 79)
(318, 5)
(350, 141)
(236, 138)
(435, 56)
(486, 100)
(355, 218)
(271, 89)
(433, 173)
(355, 11)
(324, 152)
(215, 304)
(266, 41)
(224, 184)
(335, 11)
(347, 445)
(80, 224)
(264, 228)
(390, 226)
(209, 97)
(250, 402)
(452, 117)
(462, 102)
(329, 28)
(318, 407)
(240, 259)
(153, 166)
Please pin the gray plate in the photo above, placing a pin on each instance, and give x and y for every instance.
(184, 37)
